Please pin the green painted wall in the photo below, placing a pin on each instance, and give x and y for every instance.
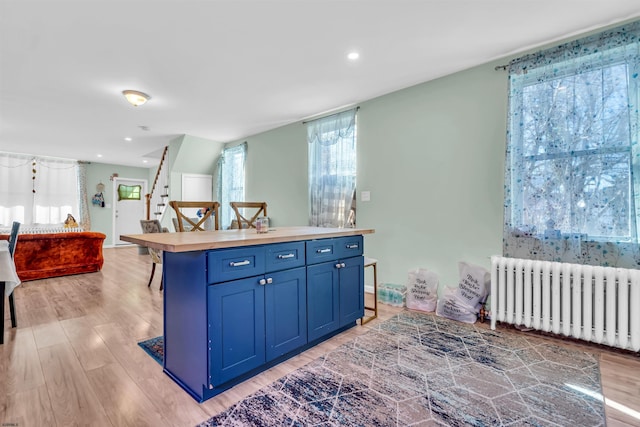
(102, 218)
(276, 172)
(432, 157)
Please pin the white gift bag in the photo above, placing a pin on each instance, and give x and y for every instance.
(474, 285)
(451, 307)
(422, 290)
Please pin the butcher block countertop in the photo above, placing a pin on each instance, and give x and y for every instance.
(204, 240)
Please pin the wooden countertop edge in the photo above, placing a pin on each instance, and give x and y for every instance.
(198, 241)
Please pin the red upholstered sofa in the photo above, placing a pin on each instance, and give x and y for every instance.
(38, 256)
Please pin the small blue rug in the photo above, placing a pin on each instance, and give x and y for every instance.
(154, 348)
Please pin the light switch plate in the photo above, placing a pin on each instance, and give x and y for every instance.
(365, 196)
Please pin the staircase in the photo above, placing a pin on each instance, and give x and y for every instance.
(158, 199)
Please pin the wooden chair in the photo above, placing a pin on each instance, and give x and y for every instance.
(13, 240)
(153, 226)
(211, 211)
(243, 222)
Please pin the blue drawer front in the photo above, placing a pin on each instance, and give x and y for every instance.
(229, 264)
(283, 256)
(348, 247)
(322, 250)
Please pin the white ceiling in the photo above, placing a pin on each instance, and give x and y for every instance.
(225, 70)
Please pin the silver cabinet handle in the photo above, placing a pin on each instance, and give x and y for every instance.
(262, 282)
(286, 256)
(323, 251)
(240, 264)
(352, 246)
(269, 280)
(338, 265)
(343, 265)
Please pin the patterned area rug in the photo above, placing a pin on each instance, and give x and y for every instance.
(154, 348)
(419, 369)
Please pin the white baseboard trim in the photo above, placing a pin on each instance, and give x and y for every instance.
(368, 289)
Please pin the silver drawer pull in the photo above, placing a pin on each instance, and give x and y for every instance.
(240, 264)
(269, 280)
(286, 256)
(323, 251)
(262, 282)
(352, 246)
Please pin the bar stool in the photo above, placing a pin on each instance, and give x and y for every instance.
(371, 262)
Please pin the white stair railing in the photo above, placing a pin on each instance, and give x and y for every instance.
(158, 199)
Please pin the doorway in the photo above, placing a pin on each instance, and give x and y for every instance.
(129, 207)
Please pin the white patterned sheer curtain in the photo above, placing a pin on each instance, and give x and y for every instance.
(231, 179)
(572, 160)
(332, 169)
(40, 192)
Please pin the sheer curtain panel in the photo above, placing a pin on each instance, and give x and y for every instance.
(332, 168)
(39, 192)
(572, 168)
(231, 181)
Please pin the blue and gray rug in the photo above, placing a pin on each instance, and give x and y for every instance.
(419, 369)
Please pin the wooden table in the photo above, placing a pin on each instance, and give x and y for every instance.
(8, 281)
(205, 240)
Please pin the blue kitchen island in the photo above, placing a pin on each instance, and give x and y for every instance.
(237, 302)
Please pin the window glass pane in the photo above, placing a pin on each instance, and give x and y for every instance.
(586, 195)
(129, 192)
(574, 142)
(584, 111)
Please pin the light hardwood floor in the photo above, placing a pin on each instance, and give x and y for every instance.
(74, 358)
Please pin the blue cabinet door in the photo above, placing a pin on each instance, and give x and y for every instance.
(323, 301)
(286, 311)
(351, 290)
(236, 328)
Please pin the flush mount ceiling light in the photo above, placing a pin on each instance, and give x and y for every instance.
(135, 97)
(353, 56)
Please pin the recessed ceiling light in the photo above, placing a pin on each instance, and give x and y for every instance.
(99, 155)
(128, 139)
(353, 56)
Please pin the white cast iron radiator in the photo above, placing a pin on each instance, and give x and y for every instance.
(598, 304)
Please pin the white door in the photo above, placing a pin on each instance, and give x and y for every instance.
(129, 211)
